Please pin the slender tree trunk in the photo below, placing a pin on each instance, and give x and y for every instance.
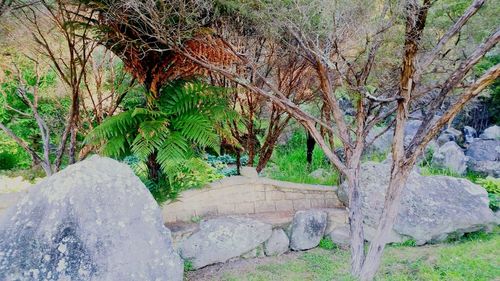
(251, 142)
(387, 220)
(310, 148)
(355, 222)
(266, 152)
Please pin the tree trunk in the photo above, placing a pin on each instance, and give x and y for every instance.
(387, 220)
(355, 222)
(310, 148)
(266, 154)
(251, 143)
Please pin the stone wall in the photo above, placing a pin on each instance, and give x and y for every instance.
(249, 195)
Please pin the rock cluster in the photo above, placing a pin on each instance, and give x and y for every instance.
(225, 238)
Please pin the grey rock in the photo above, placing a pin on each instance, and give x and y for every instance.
(484, 150)
(381, 144)
(431, 208)
(469, 134)
(248, 172)
(486, 168)
(95, 220)
(451, 157)
(491, 133)
(341, 236)
(255, 253)
(277, 244)
(451, 134)
(221, 239)
(307, 229)
(411, 129)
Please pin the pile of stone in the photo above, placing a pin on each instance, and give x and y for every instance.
(222, 239)
(461, 152)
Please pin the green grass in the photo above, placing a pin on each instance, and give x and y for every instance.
(291, 165)
(474, 257)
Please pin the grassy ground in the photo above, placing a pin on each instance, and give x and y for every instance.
(474, 258)
(290, 163)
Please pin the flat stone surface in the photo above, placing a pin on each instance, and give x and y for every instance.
(221, 239)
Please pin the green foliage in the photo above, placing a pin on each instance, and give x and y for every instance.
(188, 265)
(434, 171)
(327, 244)
(186, 119)
(407, 243)
(221, 163)
(491, 184)
(18, 116)
(12, 155)
(290, 163)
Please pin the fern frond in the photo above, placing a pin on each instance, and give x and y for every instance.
(151, 136)
(118, 125)
(197, 128)
(115, 147)
(176, 147)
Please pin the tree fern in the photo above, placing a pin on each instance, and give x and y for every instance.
(188, 117)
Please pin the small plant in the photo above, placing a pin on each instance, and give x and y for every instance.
(491, 184)
(378, 157)
(188, 265)
(407, 243)
(327, 244)
(196, 219)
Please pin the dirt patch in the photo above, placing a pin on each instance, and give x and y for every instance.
(237, 267)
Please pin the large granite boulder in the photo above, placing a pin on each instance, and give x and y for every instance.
(491, 133)
(432, 207)
(484, 150)
(307, 229)
(450, 157)
(95, 220)
(221, 239)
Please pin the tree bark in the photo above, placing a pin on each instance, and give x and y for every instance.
(355, 222)
(387, 219)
